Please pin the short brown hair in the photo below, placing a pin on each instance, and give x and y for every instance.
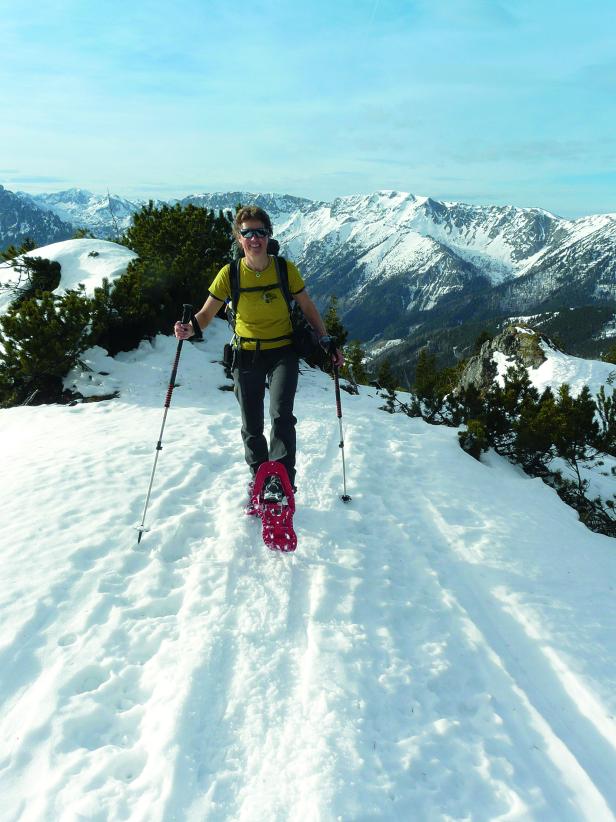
(251, 213)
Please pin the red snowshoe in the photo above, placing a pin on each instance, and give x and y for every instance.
(273, 501)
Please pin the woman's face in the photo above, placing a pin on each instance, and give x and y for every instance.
(253, 245)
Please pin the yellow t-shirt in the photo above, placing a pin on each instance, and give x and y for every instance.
(262, 315)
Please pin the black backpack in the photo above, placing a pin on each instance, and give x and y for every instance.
(303, 336)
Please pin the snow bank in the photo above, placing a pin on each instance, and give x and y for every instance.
(560, 368)
(82, 261)
(443, 647)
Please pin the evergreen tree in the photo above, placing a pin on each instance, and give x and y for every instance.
(474, 440)
(576, 439)
(31, 275)
(354, 367)
(470, 405)
(11, 251)
(534, 430)
(606, 412)
(334, 325)
(42, 339)
(610, 355)
(485, 336)
(184, 238)
(38, 274)
(180, 251)
(386, 377)
(538, 432)
(502, 408)
(432, 389)
(426, 375)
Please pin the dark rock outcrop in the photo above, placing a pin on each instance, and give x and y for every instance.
(519, 344)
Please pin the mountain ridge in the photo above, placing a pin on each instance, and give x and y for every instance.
(398, 261)
(21, 217)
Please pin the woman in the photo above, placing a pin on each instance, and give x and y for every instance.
(263, 339)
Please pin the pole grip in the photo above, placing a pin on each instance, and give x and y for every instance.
(186, 315)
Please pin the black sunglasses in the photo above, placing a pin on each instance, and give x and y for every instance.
(249, 233)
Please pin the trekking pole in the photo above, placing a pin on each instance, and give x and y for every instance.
(345, 497)
(186, 315)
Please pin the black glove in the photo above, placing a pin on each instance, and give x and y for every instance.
(328, 344)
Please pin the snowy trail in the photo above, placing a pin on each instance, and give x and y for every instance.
(529, 676)
(441, 648)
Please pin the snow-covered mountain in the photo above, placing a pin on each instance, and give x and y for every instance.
(104, 215)
(21, 217)
(442, 647)
(281, 207)
(393, 258)
(398, 261)
(581, 264)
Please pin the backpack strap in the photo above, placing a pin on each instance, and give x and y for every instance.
(283, 280)
(234, 280)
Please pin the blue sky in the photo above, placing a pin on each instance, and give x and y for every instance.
(483, 101)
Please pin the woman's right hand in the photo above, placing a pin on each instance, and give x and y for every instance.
(183, 330)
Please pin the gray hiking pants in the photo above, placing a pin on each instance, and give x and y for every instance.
(280, 368)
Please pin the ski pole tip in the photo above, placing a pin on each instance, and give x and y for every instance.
(142, 530)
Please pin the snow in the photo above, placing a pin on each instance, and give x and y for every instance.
(585, 226)
(82, 261)
(441, 648)
(608, 332)
(101, 213)
(562, 368)
(393, 232)
(87, 262)
(559, 368)
(6, 295)
(383, 345)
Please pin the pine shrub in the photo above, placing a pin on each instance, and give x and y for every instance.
(31, 275)
(42, 338)
(540, 431)
(385, 376)
(354, 367)
(334, 325)
(433, 387)
(474, 439)
(180, 248)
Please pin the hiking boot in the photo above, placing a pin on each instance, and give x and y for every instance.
(273, 490)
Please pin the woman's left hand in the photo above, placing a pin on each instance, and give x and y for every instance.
(327, 344)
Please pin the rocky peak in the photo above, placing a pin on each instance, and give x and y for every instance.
(518, 343)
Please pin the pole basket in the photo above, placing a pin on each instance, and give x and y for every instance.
(142, 530)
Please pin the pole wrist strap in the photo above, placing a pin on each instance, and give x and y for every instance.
(196, 328)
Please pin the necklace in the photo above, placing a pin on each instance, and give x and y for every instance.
(258, 271)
